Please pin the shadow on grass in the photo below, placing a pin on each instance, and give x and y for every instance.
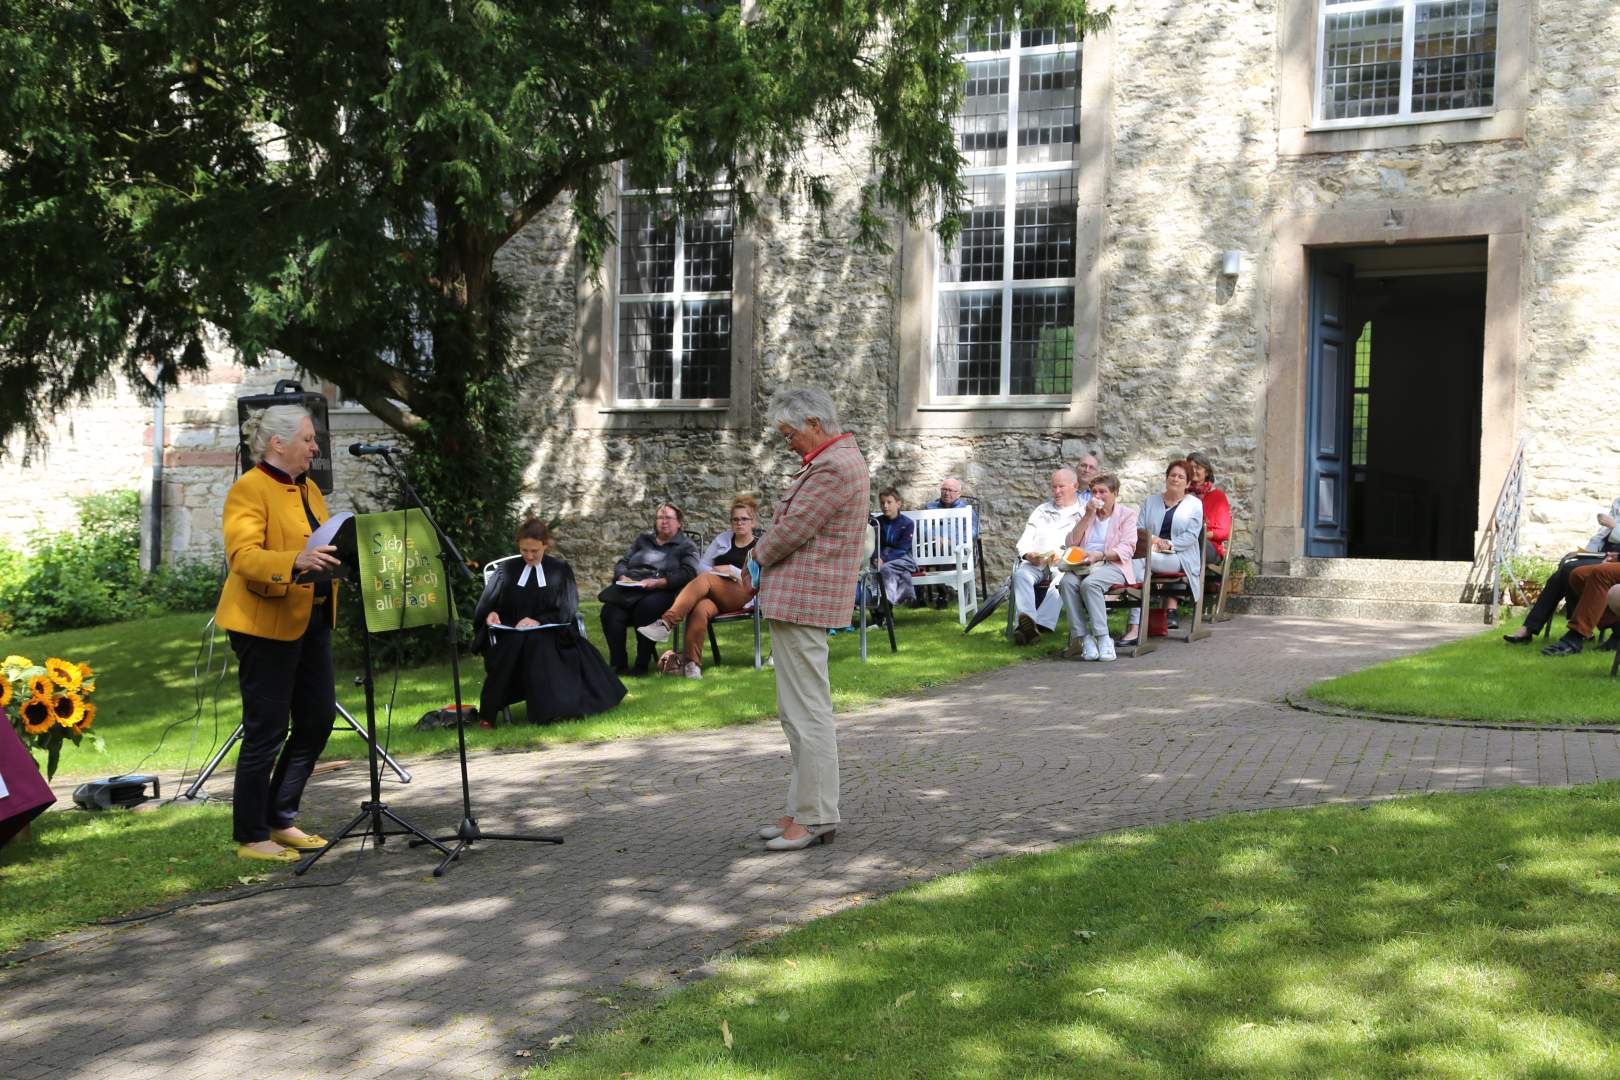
(1445, 936)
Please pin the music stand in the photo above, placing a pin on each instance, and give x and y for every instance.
(468, 832)
(373, 810)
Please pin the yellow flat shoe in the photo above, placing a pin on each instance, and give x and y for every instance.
(285, 855)
(307, 842)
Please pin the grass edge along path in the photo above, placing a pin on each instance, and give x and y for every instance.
(1483, 678)
(146, 684)
(80, 867)
(1436, 936)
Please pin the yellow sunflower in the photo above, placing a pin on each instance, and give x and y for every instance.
(84, 671)
(5, 691)
(40, 686)
(87, 716)
(63, 674)
(37, 715)
(67, 708)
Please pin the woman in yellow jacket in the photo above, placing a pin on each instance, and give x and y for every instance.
(281, 631)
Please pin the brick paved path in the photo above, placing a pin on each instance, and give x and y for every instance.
(396, 974)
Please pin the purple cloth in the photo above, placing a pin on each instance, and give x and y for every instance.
(27, 794)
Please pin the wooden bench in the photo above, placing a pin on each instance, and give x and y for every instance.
(1159, 585)
(942, 545)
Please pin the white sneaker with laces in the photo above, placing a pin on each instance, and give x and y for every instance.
(692, 671)
(654, 631)
(1089, 650)
(1106, 651)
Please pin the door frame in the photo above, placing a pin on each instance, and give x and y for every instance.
(1501, 222)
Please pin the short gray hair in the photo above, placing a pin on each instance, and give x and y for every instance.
(277, 422)
(1074, 477)
(794, 405)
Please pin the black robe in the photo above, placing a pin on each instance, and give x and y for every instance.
(558, 672)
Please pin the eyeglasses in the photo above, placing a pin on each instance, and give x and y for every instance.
(741, 519)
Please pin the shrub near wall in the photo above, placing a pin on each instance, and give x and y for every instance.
(92, 575)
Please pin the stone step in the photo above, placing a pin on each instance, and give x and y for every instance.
(1322, 607)
(1433, 592)
(1380, 569)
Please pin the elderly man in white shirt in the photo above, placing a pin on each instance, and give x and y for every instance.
(1045, 534)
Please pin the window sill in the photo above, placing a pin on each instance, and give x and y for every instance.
(1358, 124)
(1038, 404)
(632, 407)
(1489, 126)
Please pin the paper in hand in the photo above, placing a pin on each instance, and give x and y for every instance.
(324, 536)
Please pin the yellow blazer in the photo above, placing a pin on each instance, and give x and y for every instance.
(265, 529)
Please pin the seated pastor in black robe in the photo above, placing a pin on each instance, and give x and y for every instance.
(556, 670)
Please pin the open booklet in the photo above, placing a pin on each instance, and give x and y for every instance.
(526, 629)
(326, 534)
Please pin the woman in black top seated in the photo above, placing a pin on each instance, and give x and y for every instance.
(723, 584)
(555, 670)
(657, 567)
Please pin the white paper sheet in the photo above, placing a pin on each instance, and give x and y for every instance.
(526, 629)
(327, 533)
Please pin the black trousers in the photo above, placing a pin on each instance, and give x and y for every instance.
(1554, 591)
(280, 679)
(618, 621)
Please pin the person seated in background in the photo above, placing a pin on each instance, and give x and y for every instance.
(723, 584)
(893, 559)
(1604, 545)
(1044, 534)
(1173, 520)
(1589, 605)
(645, 583)
(1217, 511)
(1085, 472)
(555, 670)
(950, 497)
(1106, 538)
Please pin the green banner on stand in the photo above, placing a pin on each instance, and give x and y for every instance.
(401, 577)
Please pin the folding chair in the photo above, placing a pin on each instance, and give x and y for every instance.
(870, 583)
(1222, 579)
(1163, 585)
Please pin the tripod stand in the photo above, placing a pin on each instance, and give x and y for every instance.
(369, 821)
(468, 832)
(195, 788)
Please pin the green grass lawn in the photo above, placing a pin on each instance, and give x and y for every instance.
(1484, 678)
(1446, 936)
(80, 867)
(144, 680)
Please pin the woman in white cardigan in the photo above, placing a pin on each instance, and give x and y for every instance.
(1174, 521)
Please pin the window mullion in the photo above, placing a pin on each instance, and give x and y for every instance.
(1408, 44)
(677, 343)
(1009, 202)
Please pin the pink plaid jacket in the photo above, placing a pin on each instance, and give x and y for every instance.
(811, 554)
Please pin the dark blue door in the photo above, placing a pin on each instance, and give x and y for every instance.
(1327, 412)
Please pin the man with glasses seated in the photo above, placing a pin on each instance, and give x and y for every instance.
(950, 498)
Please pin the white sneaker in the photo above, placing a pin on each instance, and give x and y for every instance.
(1089, 650)
(692, 671)
(1106, 649)
(656, 630)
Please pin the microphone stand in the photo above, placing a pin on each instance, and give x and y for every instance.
(468, 832)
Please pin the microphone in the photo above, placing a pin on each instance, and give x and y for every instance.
(361, 449)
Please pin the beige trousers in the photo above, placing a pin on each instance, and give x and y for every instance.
(804, 699)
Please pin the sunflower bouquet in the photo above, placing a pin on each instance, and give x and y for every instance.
(48, 704)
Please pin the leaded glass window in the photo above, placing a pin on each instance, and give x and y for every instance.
(1004, 324)
(1391, 60)
(674, 300)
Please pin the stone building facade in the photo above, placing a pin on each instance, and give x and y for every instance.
(1416, 197)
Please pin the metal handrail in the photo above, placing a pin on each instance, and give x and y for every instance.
(1501, 541)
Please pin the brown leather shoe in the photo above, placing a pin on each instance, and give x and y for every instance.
(1027, 631)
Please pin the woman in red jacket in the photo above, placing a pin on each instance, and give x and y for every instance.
(1217, 511)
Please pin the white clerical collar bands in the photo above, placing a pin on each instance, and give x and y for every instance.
(538, 572)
